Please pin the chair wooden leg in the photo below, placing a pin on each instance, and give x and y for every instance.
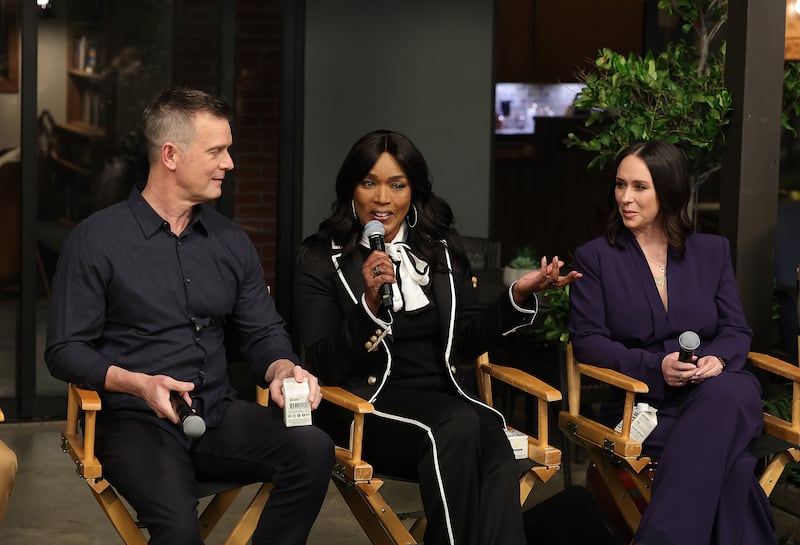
(244, 529)
(526, 485)
(643, 483)
(213, 512)
(619, 494)
(769, 478)
(378, 520)
(418, 528)
(119, 516)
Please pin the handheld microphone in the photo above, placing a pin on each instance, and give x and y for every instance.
(193, 424)
(374, 231)
(688, 341)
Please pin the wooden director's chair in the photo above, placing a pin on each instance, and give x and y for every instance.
(360, 487)
(85, 404)
(622, 473)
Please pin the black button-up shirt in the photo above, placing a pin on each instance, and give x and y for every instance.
(129, 292)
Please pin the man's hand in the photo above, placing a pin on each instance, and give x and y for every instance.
(153, 389)
(282, 369)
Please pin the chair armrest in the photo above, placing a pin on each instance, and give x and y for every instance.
(613, 378)
(775, 366)
(539, 449)
(79, 446)
(88, 400)
(349, 460)
(346, 400)
(585, 429)
(787, 430)
(522, 381)
(262, 396)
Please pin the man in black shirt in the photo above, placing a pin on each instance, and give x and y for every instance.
(141, 296)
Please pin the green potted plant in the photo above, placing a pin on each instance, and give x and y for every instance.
(678, 95)
(525, 260)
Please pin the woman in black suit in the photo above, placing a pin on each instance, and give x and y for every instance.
(402, 357)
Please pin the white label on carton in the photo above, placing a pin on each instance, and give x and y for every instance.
(297, 410)
(519, 442)
(644, 421)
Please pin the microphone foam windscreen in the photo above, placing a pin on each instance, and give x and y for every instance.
(689, 340)
(194, 426)
(373, 228)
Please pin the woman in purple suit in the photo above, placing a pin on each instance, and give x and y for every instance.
(648, 280)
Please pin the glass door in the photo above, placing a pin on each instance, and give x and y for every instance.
(75, 146)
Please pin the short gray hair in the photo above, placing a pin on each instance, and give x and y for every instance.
(170, 117)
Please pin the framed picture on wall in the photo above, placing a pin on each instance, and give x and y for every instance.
(9, 47)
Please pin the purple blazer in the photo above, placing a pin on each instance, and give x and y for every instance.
(617, 319)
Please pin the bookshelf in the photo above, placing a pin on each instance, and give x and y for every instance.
(84, 135)
(90, 92)
(82, 139)
(89, 102)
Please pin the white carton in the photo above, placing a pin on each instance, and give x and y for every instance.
(519, 442)
(297, 408)
(643, 422)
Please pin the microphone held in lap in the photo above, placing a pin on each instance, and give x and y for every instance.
(688, 341)
(193, 424)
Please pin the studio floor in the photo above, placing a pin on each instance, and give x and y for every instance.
(50, 504)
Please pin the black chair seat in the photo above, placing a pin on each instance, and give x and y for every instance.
(767, 445)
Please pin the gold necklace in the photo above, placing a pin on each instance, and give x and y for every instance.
(662, 268)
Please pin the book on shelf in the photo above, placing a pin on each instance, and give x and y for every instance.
(93, 109)
(86, 54)
(79, 53)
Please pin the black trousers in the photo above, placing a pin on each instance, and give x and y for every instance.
(459, 453)
(156, 472)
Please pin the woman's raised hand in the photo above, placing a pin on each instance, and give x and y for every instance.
(547, 276)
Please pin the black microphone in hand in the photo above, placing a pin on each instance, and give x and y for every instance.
(688, 342)
(374, 232)
(193, 424)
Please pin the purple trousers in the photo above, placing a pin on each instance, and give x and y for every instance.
(705, 490)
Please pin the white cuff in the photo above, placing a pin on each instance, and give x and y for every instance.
(383, 324)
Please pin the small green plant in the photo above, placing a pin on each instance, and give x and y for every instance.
(781, 407)
(526, 258)
(555, 326)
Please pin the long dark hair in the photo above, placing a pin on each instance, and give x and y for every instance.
(434, 217)
(667, 166)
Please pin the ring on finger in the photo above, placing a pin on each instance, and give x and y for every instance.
(376, 271)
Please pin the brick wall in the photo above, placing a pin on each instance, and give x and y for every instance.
(257, 87)
(258, 69)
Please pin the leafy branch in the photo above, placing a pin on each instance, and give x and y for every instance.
(678, 95)
(555, 326)
(706, 18)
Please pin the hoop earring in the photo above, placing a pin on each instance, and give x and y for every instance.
(416, 217)
(353, 208)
